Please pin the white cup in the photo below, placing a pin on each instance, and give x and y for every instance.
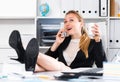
(90, 27)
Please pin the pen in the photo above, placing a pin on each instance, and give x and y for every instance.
(20, 75)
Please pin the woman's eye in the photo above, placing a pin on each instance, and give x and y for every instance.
(71, 20)
(65, 22)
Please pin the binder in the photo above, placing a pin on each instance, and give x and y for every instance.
(117, 34)
(66, 5)
(112, 8)
(103, 8)
(89, 9)
(112, 34)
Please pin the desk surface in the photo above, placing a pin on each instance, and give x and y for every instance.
(46, 79)
(49, 77)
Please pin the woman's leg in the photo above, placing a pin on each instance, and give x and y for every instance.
(39, 68)
(44, 62)
(16, 43)
(31, 54)
(50, 64)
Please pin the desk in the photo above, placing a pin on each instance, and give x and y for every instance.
(49, 77)
(103, 78)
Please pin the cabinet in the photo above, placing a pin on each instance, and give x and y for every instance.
(114, 24)
(17, 8)
(16, 15)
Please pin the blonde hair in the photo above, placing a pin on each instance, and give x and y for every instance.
(84, 39)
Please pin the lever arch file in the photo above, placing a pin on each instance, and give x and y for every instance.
(103, 7)
(89, 9)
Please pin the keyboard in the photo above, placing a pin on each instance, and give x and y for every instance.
(94, 70)
(89, 74)
(76, 75)
(71, 75)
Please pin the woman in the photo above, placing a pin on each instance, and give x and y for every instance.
(75, 50)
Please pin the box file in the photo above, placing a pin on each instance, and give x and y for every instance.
(112, 8)
(89, 9)
(103, 8)
(66, 5)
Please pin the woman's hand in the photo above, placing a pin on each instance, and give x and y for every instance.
(59, 40)
(59, 37)
(96, 33)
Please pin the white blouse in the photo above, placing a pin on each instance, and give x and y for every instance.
(71, 51)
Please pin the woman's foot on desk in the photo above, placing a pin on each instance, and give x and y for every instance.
(31, 55)
(16, 43)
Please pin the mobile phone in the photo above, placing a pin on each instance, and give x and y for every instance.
(64, 34)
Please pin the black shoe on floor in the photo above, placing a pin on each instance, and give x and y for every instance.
(31, 54)
(16, 43)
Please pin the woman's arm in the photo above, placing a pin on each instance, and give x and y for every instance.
(58, 41)
(96, 32)
(99, 53)
(53, 54)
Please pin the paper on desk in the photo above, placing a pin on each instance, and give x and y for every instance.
(16, 71)
(111, 69)
(13, 68)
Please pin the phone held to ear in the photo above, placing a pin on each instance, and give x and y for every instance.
(64, 34)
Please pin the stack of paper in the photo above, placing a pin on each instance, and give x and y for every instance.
(111, 69)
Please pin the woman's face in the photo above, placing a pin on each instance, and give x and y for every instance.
(72, 25)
